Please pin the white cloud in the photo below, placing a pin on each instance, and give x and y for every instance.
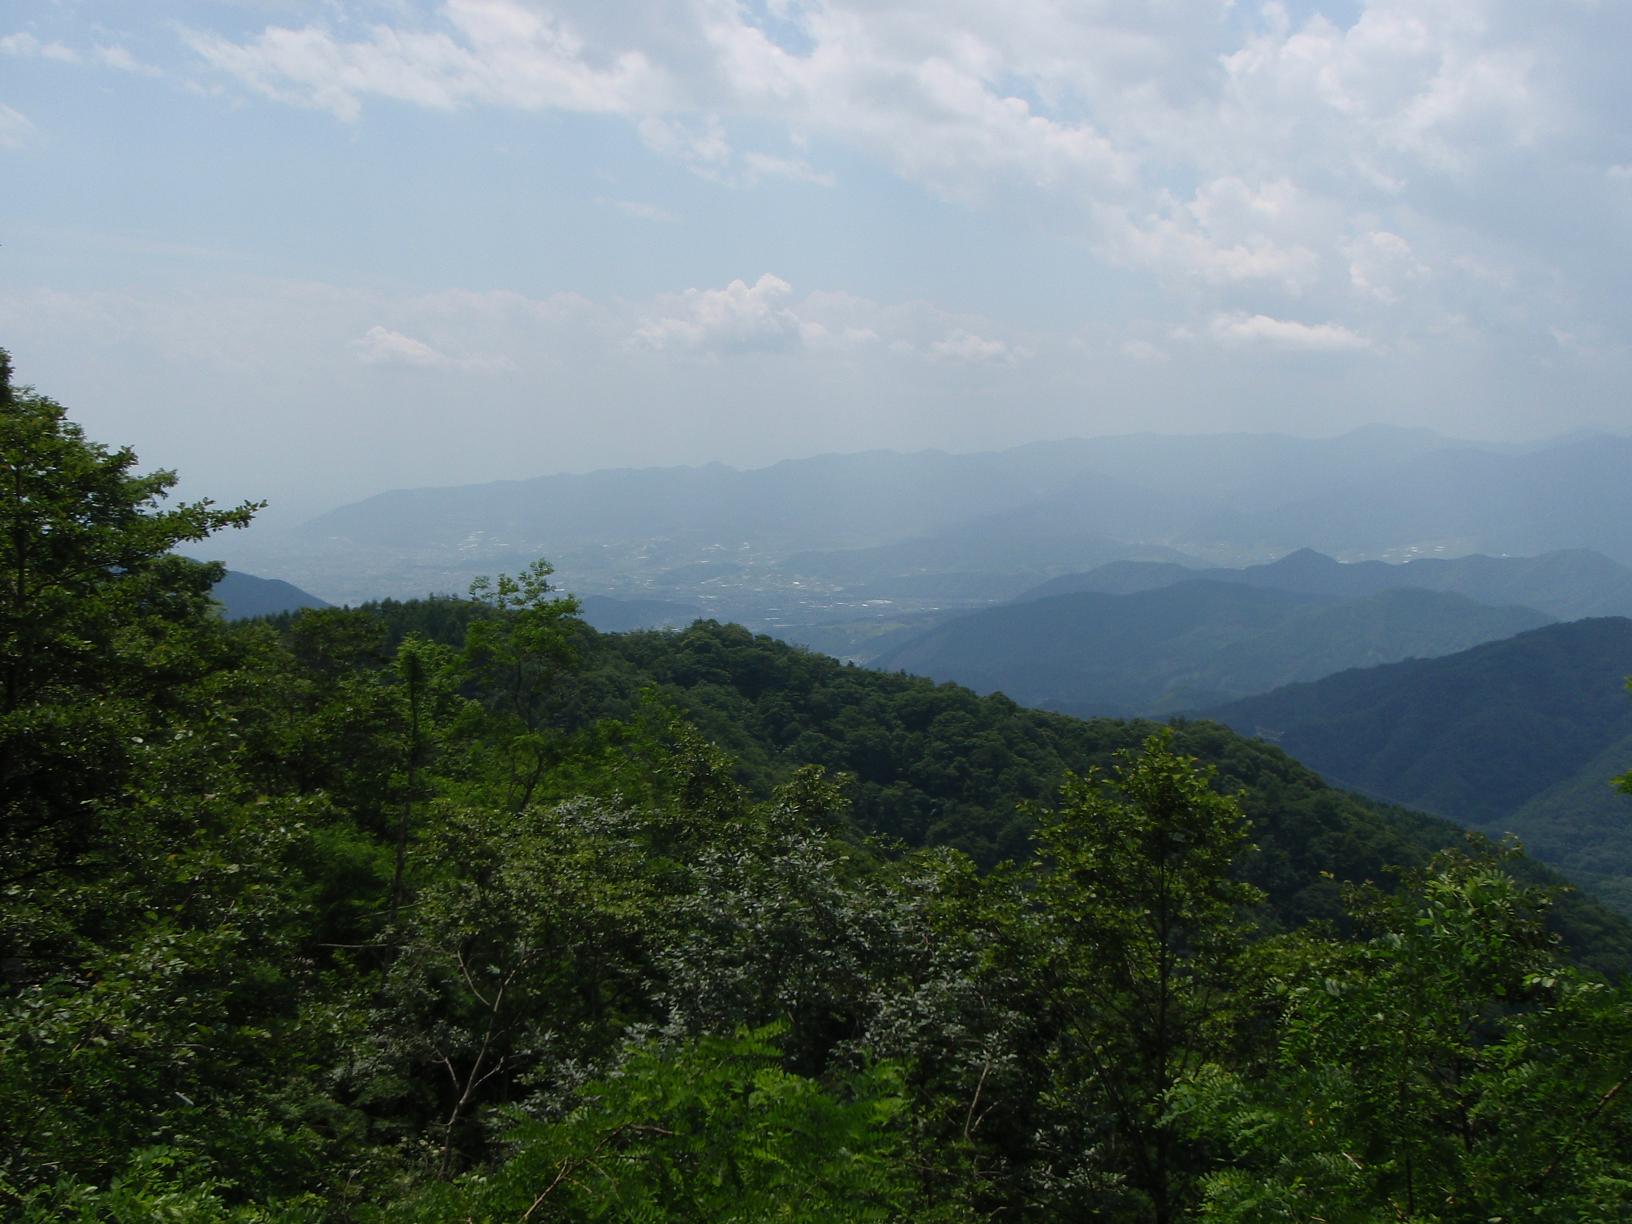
(1434, 85)
(1243, 329)
(738, 318)
(16, 131)
(120, 58)
(1382, 265)
(701, 145)
(382, 346)
(966, 348)
(1242, 164)
(1229, 233)
(499, 53)
(764, 166)
(24, 45)
(769, 317)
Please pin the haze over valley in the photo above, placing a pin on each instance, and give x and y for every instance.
(837, 550)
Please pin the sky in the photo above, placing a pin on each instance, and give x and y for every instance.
(306, 250)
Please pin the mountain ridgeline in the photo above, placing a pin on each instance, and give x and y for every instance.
(1192, 644)
(1520, 736)
(1568, 584)
(837, 549)
(243, 596)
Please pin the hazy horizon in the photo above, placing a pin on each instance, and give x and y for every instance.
(1538, 442)
(311, 252)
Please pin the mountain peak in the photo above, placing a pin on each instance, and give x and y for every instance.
(1304, 560)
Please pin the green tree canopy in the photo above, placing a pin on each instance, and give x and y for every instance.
(101, 623)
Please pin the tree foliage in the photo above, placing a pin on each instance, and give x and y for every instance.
(456, 909)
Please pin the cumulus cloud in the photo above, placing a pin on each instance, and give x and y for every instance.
(489, 52)
(736, 319)
(1231, 149)
(383, 347)
(1243, 329)
(1376, 168)
(769, 317)
(1229, 233)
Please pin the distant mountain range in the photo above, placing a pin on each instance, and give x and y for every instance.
(838, 548)
(1520, 736)
(1139, 484)
(1189, 644)
(1455, 501)
(1568, 584)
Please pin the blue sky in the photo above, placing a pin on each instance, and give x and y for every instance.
(309, 250)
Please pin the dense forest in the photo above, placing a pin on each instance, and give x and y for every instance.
(457, 909)
(1523, 735)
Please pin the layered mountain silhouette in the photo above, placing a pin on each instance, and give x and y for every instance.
(1518, 736)
(842, 549)
(1189, 644)
(1566, 584)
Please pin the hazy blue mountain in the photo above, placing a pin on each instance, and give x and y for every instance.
(1185, 645)
(1127, 577)
(611, 615)
(244, 595)
(1001, 555)
(835, 501)
(1567, 584)
(828, 501)
(1513, 736)
(1460, 500)
(1251, 471)
(816, 540)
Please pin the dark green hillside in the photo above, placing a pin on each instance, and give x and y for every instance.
(1520, 735)
(937, 764)
(242, 596)
(1189, 645)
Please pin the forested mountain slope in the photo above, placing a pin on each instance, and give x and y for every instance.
(1517, 736)
(937, 764)
(1190, 644)
(459, 910)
